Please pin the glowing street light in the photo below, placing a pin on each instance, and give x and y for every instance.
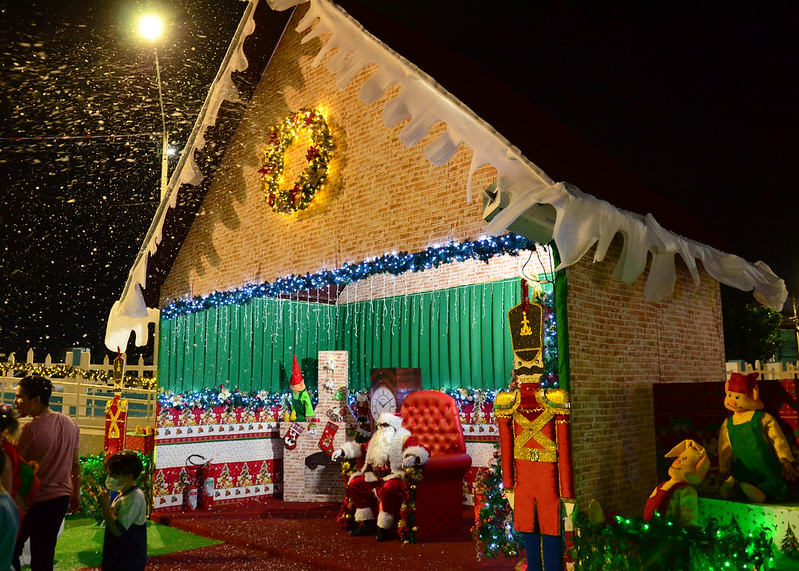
(151, 27)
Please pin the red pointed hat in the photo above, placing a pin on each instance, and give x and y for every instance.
(296, 374)
(743, 383)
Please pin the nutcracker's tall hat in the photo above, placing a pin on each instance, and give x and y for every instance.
(525, 322)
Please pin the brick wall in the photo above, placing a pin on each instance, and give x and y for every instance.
(309, 475)
(450, 275)
(384, 197)
(620, 344)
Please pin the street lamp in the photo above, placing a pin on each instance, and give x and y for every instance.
(151, 28)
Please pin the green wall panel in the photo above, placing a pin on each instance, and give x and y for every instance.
(457, 336)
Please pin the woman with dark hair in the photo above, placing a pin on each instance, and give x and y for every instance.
(51, 439)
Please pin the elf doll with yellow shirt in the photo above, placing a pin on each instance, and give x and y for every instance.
(754, 456)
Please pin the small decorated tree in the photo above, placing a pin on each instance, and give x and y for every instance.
(493, 528)
(263, 477)
(790, 545)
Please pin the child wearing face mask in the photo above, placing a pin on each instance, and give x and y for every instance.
(125, 541)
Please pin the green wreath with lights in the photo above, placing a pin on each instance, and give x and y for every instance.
(311, 180)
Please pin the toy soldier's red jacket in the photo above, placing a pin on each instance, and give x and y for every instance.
(536, 454)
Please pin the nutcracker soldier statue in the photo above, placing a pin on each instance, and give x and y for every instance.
(116, 412)
(534, 443)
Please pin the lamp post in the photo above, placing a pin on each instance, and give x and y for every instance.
(151, 27)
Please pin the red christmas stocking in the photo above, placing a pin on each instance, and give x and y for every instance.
(290, 439)
(326, 442)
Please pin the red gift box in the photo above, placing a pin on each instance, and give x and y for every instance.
(141, 443)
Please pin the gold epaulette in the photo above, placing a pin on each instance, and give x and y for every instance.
(557, 399)
(506, 402)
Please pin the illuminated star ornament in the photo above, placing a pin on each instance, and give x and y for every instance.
(300, 193)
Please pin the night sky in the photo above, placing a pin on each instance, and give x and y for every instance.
(79, 164)
(699, 103)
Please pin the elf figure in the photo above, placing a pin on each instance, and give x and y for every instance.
(300, 400)
(534, 443)
(675, 498)
(753, 450)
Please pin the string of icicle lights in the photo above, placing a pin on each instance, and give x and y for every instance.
(395, 264)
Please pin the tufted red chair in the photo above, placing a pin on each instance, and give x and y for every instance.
(432, 417)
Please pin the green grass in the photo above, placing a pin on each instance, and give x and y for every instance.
(81, 544)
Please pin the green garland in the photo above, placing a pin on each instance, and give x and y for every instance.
(406, 526)
(346, 513)
(632, 543)
(64, 371)
(300, 195)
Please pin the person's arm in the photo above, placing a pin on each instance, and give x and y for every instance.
(111, 523)
(74, 478)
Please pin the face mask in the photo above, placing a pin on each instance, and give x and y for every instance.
(112, 483)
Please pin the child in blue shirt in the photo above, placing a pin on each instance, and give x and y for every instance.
(125, 540)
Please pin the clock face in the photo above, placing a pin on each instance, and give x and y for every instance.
(383, 401)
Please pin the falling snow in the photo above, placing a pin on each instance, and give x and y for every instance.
(80, 153)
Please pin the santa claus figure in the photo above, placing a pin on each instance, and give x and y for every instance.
(376, 486)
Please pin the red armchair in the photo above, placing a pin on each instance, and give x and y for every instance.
(432, 417)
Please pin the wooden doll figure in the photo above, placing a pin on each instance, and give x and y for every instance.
(534, 444)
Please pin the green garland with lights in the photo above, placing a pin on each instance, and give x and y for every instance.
(395, 264)
(64, 371)
(311, 180)
(346, 513)
(632, 543)
(406, 526)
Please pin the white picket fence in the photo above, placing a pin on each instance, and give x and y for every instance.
(82, 398)
(769, 371)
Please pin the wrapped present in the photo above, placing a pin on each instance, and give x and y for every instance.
(144, 443)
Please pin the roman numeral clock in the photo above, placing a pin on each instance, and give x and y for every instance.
(389, 387)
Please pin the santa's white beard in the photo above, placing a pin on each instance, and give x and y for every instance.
(380, 446)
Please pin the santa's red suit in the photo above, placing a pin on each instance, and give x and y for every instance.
(378, 483)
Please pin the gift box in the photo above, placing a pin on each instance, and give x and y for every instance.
(144, 443)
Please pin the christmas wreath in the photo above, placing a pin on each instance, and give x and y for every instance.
(312, 178)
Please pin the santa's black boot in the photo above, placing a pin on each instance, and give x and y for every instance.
(385, 534)
(367, 527)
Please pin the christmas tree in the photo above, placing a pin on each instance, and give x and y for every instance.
(263, 477)
(225, 481)
(790, 545)
(159, 484)
(244, 477)
(493, 529)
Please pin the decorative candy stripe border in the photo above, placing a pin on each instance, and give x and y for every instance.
(212, 432)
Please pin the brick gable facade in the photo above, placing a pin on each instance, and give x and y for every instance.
(384, 197)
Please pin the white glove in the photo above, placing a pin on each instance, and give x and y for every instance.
(337, 454)
(409, 461)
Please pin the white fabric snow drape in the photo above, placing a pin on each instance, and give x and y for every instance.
(582, 220)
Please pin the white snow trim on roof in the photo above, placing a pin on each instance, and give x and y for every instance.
(582, 220)
(130, 312)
